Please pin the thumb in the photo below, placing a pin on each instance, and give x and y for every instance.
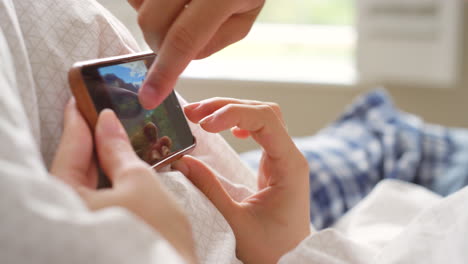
(115, 153)
(206, 180)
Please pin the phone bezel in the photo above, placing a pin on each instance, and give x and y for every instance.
(87, 107)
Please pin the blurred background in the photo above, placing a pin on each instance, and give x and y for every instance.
(314, 56)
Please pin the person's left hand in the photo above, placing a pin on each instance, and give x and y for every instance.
(134, 183)
(274, 220)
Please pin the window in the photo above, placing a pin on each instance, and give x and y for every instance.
(292, 41)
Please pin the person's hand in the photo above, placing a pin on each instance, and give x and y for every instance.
(183, 30)
(135, 186)
(275, 219)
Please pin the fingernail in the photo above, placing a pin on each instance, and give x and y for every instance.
(108, 124)
(191, 106)
(206, 120)
(180, 166)
(149, 97)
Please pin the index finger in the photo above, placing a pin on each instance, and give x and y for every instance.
(198, 110)
(262, 122)
(191, 31)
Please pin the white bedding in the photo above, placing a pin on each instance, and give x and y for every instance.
(46, 37)
(43, 221)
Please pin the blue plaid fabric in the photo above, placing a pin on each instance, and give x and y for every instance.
(372, 141)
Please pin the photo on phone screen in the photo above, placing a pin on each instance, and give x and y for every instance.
(154, 134)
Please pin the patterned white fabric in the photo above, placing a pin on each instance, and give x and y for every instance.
(44, 39)
(398, 222)
(44, 221)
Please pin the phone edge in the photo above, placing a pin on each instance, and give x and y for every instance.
(175, 156)
(83, 99)
(113, 59)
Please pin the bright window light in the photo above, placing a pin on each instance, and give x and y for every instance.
(293, 41)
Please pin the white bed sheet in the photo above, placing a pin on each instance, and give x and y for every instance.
(43, 221)
(45, 38)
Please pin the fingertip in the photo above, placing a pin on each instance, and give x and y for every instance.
(190, 160)
(240, 133)
(191, 167)
(195, 115)
(107, 113)
(205, 122)
(181, 166)
(158, 84)
(192, 106)
(148, 96)
(108, 125)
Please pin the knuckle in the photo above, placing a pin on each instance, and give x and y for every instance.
(300, 162)
(231, 108)
(303, 163)
(143, 20)
(182, 40)
(217, 98)
(267, 110)
(276, 110)
(240, 35)
(274, 106)
(152, 33)
(163, 75)
(212, 100)
(207, 51)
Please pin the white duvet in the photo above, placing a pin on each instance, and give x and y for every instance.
(44, 221)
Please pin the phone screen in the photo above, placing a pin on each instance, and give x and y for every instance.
(154, 134)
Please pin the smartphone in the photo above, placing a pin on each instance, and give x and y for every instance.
(158, 136)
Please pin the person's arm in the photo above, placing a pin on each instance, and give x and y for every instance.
(45, 221)
(183, 30)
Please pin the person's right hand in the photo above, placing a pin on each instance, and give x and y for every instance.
(183, 30)
(276, 219)
(134, 184)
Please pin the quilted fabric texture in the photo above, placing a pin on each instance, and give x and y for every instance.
(53, 34)
(44, 221)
